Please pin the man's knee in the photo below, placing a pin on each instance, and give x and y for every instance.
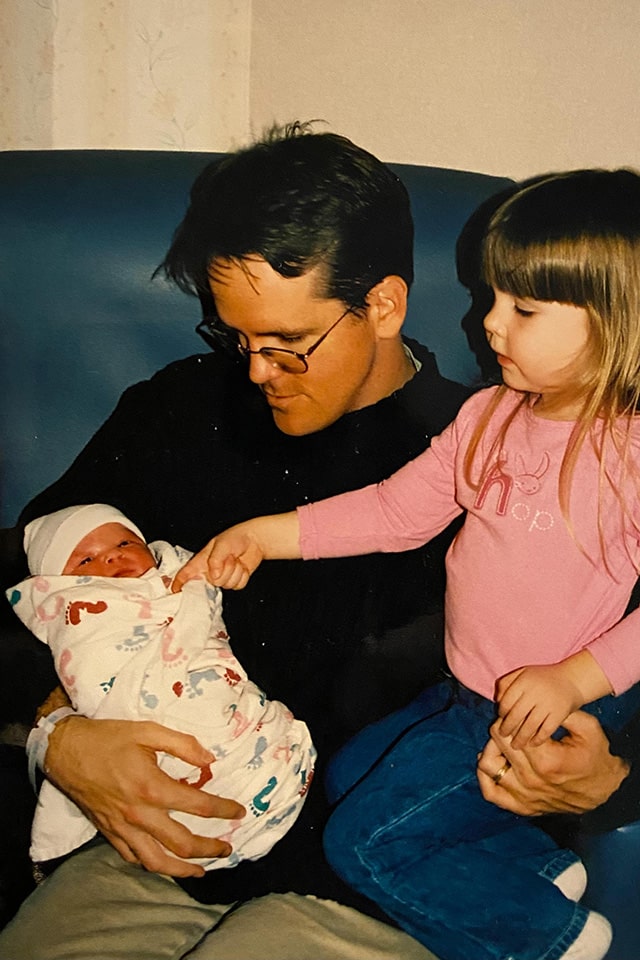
(96, 905)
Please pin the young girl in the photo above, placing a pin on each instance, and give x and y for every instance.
(547, 469)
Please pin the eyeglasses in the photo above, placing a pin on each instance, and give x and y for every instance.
(289, 361)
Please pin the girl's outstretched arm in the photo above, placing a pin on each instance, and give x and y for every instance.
(231, 557)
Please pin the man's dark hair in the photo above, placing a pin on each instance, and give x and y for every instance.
(299, 199)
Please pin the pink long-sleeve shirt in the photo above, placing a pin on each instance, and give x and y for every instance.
(521, 588)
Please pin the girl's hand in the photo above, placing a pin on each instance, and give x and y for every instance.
(533, 701)
(230, 558)
(227, 561)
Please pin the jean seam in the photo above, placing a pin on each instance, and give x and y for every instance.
(370, 845)
(569, 935)
(560, 863)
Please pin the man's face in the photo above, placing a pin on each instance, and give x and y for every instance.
(269, 310)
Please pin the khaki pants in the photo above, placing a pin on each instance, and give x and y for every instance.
(97, 906)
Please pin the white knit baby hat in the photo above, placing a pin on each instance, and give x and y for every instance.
(49, 541)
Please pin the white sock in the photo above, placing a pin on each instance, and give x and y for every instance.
(572, 881)
(594, 940)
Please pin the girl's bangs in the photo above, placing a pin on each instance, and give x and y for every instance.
(551, 270)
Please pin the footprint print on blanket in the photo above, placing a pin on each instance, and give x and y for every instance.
(74, 611)
(204, 776)
(135, 642)
(260, 804)
(256, 760)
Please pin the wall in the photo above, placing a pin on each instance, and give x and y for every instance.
(510, 87)
(503, 86)
(154, 74)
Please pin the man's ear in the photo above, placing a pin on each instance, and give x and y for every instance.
(387, 306)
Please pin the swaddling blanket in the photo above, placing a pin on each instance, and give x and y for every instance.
(130, 649)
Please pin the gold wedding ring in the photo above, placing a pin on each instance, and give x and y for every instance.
(497, 777)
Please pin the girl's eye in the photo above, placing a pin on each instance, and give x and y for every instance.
(84, 561)
(521, 311)
(125, 543)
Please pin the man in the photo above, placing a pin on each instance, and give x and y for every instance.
(301, 246)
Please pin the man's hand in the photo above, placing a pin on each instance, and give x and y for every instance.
(572, 775)
(109, 769)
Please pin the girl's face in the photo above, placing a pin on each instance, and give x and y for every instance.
(110, 550)
(542, 347)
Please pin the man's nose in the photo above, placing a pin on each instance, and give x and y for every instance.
(261, 369)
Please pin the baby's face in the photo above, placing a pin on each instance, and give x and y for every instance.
(110, 551)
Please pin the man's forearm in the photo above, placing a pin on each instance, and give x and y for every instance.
(623, 805)
(37, 744)
(55, 708)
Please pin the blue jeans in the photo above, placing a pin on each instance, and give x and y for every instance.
(412, 832)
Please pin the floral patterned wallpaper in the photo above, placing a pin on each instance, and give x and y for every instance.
(137, 74)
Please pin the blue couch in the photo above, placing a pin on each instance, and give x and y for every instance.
(80, 235)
